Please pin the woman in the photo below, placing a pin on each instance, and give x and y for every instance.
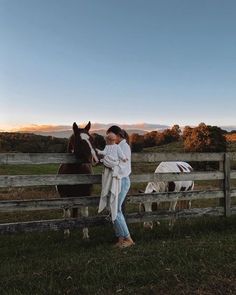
(120, 226)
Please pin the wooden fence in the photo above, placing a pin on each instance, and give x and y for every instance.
(224, 174)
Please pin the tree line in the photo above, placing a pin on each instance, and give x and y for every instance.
(202, 138)
(32, 143)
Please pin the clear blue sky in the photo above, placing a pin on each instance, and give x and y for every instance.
(126, 61)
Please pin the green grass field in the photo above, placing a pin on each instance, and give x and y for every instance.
(197, 257)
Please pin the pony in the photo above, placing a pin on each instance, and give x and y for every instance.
(168, 186)
(82, 146)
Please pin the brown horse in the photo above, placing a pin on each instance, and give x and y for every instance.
(82, 146)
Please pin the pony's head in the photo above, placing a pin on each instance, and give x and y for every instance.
(82, 145)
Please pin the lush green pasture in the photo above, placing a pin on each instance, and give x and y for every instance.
(28, 169)
(197, 257)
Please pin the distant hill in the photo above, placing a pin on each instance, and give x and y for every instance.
(31, 143)
(58, 134)
(67, 133)
(64, 131)
(229, 128)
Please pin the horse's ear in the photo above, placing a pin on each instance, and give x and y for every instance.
(75, 128)
(88, 126)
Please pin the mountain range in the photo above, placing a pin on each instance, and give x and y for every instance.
(64, 131)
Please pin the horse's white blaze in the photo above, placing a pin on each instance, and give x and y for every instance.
(85, 137)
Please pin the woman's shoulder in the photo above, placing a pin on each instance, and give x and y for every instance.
(124, 146)
(123, 143)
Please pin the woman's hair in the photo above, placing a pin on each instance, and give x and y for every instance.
(115, 129)
(126, 136)
(118, 131)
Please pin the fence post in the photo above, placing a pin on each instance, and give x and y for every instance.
(221, 182)
(226, 185)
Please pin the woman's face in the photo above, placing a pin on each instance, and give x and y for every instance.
(118, 139)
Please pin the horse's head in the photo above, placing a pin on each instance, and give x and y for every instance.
(82, 145)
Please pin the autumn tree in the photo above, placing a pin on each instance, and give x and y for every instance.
(150, 139)
(136, 142)
(171, 135)
(31, 143)
(176, 132)
(204, 138)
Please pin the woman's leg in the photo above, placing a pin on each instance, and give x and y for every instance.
(120, 225)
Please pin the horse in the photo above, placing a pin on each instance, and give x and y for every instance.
(82, 146)
(168, 186)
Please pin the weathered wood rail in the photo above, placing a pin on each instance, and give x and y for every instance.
(225, 194)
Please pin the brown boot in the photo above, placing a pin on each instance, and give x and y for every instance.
(127, 242)
(120, 241)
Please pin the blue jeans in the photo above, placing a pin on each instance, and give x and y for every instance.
(120, 226)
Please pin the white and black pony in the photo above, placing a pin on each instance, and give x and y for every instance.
(168, 186)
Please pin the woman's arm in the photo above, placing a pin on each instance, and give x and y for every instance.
(121, 155)
(110, 162)
(126, 151)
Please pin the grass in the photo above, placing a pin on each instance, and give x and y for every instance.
(197, 257)
(28, 169)
(170, 147)
(34, 192)
(179, 147)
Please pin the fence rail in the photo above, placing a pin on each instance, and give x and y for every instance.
(60, 224)
(44, 180)
(62, 203)
(57, 158)
(224, 195)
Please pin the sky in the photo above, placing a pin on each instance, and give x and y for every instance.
(127, 61)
